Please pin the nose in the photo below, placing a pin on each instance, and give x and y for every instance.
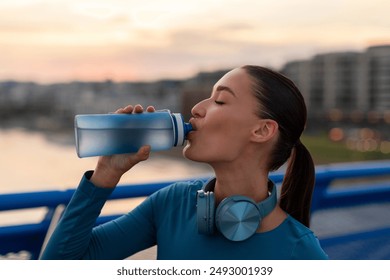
(199, 110)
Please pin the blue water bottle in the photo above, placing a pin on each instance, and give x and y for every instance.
(109, 134)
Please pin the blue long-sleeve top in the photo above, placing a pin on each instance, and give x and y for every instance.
(166, 218)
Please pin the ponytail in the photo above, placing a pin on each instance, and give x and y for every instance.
(298, 184)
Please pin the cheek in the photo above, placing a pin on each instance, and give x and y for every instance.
(221, 142)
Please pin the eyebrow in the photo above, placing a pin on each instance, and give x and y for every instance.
(225, 88)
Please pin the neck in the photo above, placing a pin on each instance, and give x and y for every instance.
(240, 179)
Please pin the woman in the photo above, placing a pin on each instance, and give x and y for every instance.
(250, 125)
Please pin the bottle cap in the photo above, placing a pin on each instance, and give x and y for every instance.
(180, 129)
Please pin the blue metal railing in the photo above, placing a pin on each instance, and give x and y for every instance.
(338, 186)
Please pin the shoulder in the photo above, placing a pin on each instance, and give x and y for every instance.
(167, 200)
(177, 200)
(179, 189)
(297, 228)
(307, 245)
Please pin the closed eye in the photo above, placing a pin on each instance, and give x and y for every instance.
(219, 102)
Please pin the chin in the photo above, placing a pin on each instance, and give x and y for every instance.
(191, 154)
(187, 152)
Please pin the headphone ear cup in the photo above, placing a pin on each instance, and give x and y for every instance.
(205, 212)
(237, 218)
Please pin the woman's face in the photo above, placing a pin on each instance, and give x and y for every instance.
(224, 122)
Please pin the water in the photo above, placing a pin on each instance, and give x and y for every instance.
(29, 161)
(118, 141)
(108, 134)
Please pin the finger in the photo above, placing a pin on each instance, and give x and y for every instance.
(138, 109)
(150, 109)
(119, 111)
(128, 109)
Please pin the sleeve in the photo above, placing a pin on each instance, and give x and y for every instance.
(308, 248)
(76, 236)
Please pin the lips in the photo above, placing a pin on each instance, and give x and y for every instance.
(190, 134)
(193, 124)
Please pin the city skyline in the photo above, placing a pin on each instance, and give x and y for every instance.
(61, 41)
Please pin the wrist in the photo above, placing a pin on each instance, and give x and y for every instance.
(105, 178)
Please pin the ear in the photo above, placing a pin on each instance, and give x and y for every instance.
(264, 130)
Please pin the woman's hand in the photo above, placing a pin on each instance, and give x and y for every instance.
(110, 169)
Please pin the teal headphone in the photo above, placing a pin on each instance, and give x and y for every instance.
(236, 217)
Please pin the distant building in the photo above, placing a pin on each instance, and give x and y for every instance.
(344, 84)
(377, 59)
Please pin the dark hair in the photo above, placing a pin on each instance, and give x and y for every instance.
(280, 100)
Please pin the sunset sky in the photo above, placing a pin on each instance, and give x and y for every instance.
(63, 40)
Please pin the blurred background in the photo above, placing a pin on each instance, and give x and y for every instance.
(60, 58)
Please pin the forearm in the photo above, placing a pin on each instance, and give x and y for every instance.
(71, 238)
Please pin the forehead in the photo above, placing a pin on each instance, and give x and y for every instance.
(237, 80)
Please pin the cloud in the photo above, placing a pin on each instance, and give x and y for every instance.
(95, 9)
(178, 38)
